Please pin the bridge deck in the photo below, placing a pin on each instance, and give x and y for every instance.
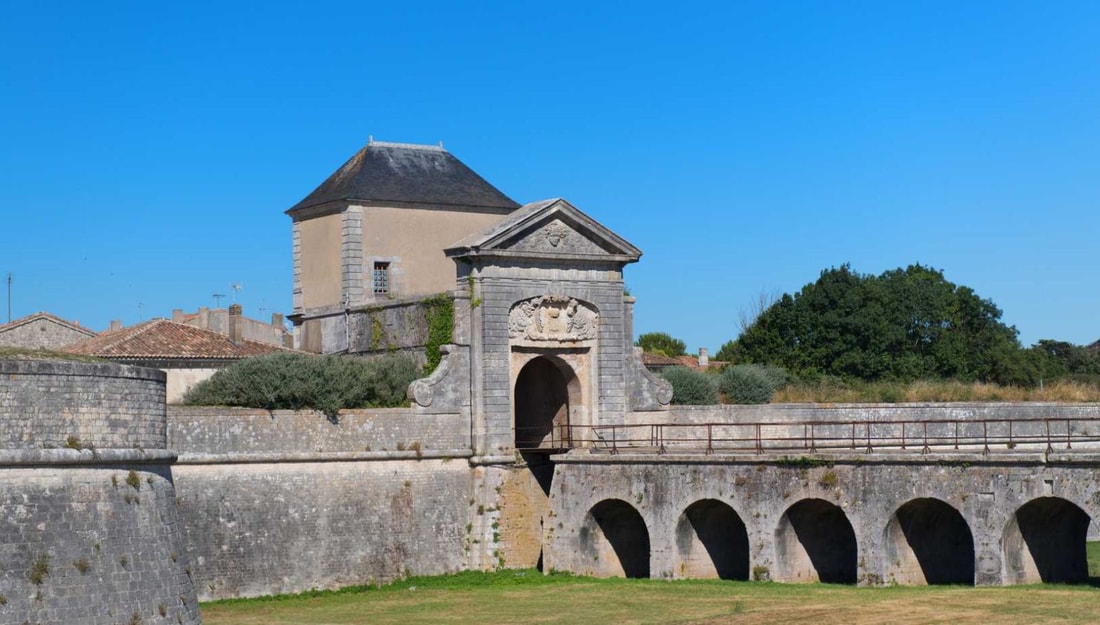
(1047, 437)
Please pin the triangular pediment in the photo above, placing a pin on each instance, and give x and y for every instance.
(550, 228)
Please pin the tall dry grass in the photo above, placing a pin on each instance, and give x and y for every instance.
(835, 391)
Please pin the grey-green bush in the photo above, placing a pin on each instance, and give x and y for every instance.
(301, 381)
(751, 384)
(691, 387)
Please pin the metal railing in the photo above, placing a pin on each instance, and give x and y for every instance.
(1034, 435)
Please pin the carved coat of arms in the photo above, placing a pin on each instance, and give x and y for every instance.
(553, 318)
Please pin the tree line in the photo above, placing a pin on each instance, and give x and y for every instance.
(904, 324)
(901, 325)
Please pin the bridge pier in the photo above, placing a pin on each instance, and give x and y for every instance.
(867, 519)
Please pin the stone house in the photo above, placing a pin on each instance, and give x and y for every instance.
(374, 233)
(42, 331)
(188, 355)
(217, 320)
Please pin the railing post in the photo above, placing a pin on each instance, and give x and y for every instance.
(867, 427)
(759, 444)
(903, 435)
(1050, 446)
(853, 435)
(710, 439)
(1068, 444)
(926, 449)
(985, 437)
(813, 438)
(956, 434)
(1011, 443)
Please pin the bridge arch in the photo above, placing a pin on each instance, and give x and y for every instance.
(1044, 541)
(815, 542)
(615, 540)
(712, 542)
(928, 542)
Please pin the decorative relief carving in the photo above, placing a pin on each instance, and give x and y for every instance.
(556, 233)
(557, 237)
(553, 318)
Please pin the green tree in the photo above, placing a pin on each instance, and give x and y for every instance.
(903, 324)
(661, 343)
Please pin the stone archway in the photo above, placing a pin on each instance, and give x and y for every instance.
(545, 390)
(615, 540)
(712, 542)
(929, 542)
(1045, 542)
(547, 395)
(815, 542)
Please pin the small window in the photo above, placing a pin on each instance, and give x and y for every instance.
(381, 278)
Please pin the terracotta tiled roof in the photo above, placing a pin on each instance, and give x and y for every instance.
(161, 339)
(651, 359)
(45, 315)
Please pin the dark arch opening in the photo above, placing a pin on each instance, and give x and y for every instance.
(815, 542)
(542, 402)
(712, 541)
(929, 542)
(1045, 542)
(615, 537)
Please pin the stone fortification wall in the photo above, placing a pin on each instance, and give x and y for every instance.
(871, 412)
(103, 405)
(88, 535)
(285, 527)
(399, 325)
(205, 431)
(281, 502)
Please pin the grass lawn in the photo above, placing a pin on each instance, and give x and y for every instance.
(530, 597)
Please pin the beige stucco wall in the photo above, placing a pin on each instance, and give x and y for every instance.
(179, 380)
(414, 239)
(321, 275)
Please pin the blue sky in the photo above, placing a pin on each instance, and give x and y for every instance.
(148, 150)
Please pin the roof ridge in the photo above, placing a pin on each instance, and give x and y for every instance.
(371, 143)
(42, 314)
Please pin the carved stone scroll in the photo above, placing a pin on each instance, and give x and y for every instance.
(553, 318)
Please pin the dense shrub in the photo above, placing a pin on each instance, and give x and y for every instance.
(691, 387)
(751, 384)
(297, 381)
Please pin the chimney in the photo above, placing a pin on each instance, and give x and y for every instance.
(704, 359)
(177, 315)
(116, 324)
(204, 317)
(235, 323)
(277, 321)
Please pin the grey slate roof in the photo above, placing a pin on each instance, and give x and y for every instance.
(407, 174)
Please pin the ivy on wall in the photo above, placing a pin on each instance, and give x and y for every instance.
(439, 313)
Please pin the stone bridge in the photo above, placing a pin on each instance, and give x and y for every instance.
(908, 501)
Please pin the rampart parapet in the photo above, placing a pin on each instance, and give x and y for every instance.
(88, 522)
